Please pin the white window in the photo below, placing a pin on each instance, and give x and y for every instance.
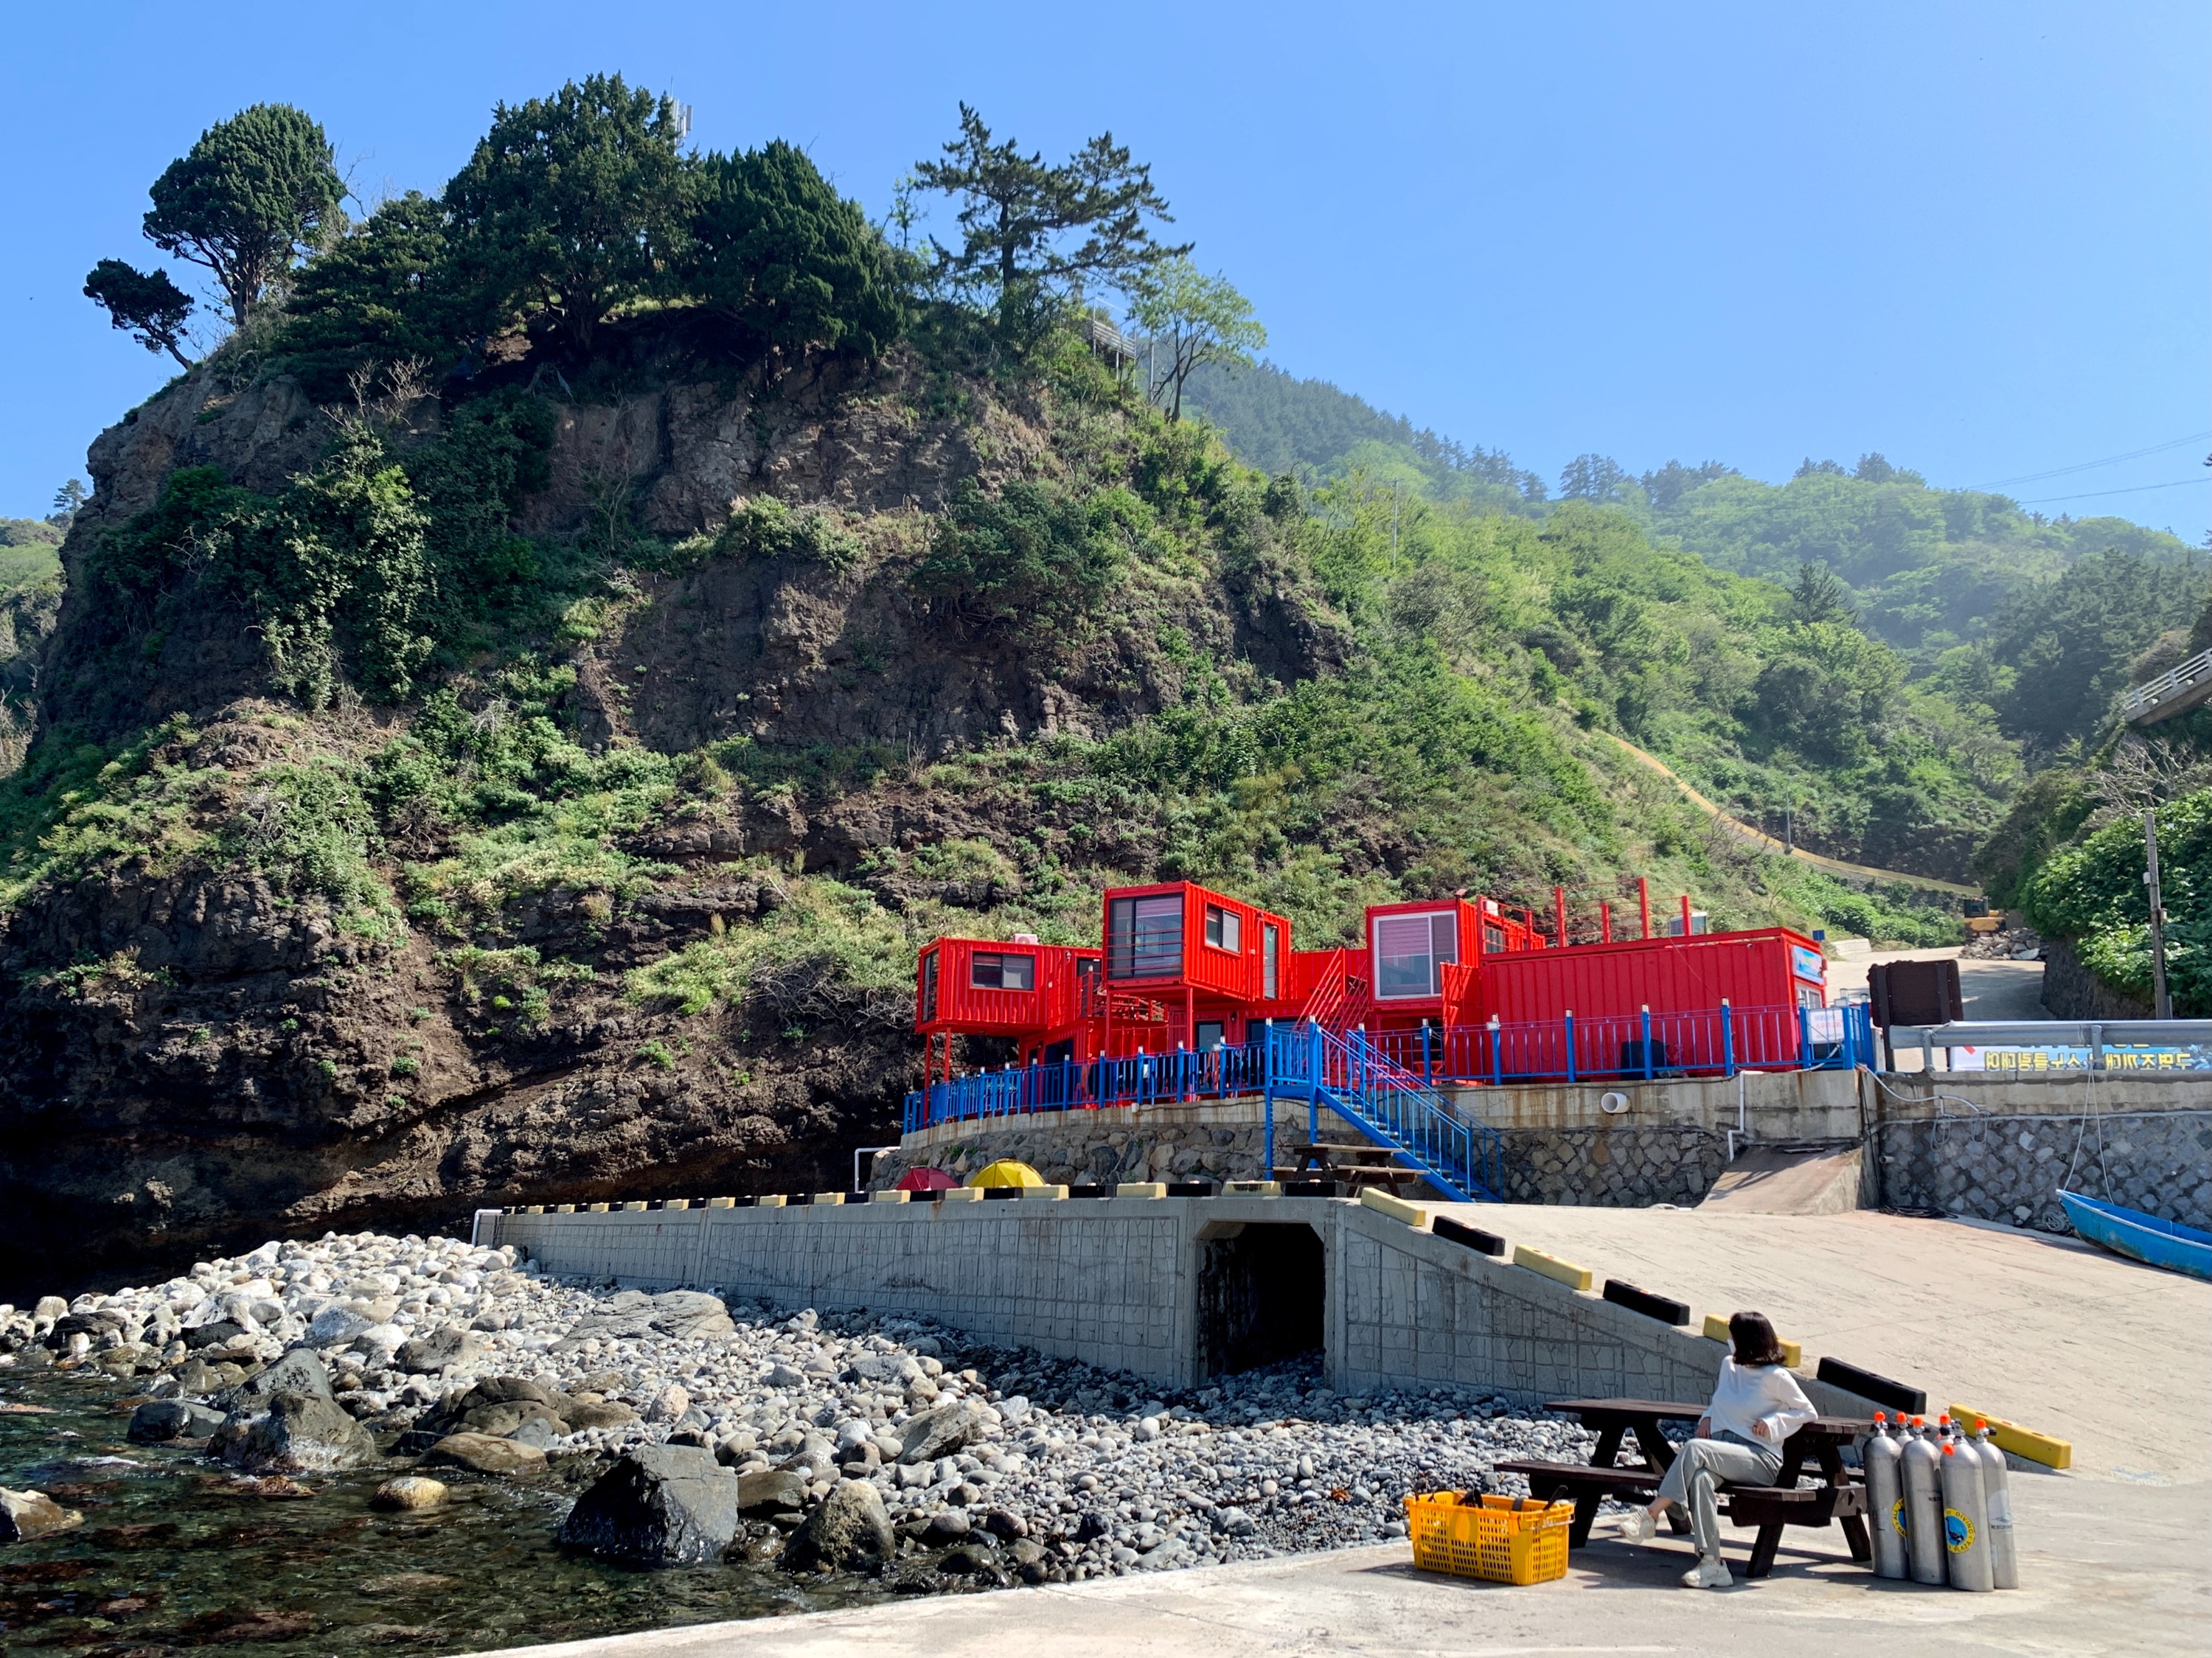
(1223, 929)
(1410, 951)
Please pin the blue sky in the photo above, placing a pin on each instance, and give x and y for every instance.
(1974, 237)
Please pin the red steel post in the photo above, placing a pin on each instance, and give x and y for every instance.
(1643, 905)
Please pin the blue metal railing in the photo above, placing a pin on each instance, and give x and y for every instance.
(1637, 1047)
(1140, 1080)
(1352, 1077)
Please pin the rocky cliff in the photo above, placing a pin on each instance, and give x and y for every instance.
(259, 969)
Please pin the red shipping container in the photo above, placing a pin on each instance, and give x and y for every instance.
(1767, 966)
(1179, 936)
(1766, 975)
(985, 987)
(1413, 947)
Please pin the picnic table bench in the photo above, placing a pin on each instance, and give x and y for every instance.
(1355, 1167)
(1835, 1500)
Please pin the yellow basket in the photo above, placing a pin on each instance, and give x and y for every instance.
(1499, 1540)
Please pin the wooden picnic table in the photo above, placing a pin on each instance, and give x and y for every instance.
(1353, 1167)
(1835, 1499)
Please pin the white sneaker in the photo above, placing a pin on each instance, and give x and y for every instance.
(1637, 1526)
(1708, 1575)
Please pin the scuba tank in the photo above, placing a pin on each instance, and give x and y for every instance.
(1920, 1466)
(1966, 1518)
(1885, 1485)
(1996, 1496)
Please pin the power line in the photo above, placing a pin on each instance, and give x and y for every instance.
(2092, 494)
(2092, 466)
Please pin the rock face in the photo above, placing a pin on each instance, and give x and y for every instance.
(242, 1059)
(850, 1531)
(301, 1433)
(661, 1505)
(27, 1515)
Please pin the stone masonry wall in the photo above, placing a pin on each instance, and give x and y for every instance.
(2009, 1169)
(1612, 1167)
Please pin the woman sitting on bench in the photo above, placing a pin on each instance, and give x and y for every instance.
(1757, 1405)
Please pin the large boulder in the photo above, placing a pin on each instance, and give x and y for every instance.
(299, 1371)
(599, 1413)
(429, 1354)
(850, 1532)
(940, 1432)
(633, 1314)
(774, 1490)
(684, 1314)
(300, 1433)
(26, 1514)
(661, 1505)
(160, 1420)
(486, 1453)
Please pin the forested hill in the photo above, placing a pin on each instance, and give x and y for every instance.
(1925, 570)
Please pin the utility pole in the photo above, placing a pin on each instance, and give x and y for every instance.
(2161, 1003)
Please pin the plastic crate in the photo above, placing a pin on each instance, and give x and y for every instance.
(1499, 1540)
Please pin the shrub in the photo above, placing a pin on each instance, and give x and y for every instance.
(1031, 552)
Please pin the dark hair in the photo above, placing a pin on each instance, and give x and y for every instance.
(1754, 1338)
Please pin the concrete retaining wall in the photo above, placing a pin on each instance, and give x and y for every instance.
(1116, 1282)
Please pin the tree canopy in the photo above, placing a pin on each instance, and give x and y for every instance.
(252, 196)
(151, 307)
(1200, 318)
(571, 206)
(1031, 231)
(791, 261)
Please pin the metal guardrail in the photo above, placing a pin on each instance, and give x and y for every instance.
(2193, 676)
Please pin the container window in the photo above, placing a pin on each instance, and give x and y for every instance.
(1144, 937)
(929, 986)
(1209, 1035)
(1271, 954)
(1410, 951)
(1224, 929)
(1002, 970)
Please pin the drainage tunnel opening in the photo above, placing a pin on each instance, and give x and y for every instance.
(1260, 1297)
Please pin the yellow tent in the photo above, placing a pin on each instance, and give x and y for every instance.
(1005, 1172)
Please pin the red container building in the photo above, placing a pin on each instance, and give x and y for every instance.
(1765, 976)
(1410, 945)
(987, 987)
(1212, 963)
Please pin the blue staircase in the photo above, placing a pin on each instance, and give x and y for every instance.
(1344, 1071)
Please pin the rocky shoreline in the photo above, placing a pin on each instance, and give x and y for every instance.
(694, 1429)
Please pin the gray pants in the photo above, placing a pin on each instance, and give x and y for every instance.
(1700, 1466)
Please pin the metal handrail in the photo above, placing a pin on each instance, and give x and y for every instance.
(2185, 676)
(1345, 1072)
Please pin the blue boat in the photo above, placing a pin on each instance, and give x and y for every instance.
(2139, 1236)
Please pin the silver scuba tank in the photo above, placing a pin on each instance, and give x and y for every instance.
(1885, 1485)
(1996, 1496)
(1966, 1518)
(1919, 1464)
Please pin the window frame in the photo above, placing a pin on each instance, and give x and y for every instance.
(1222, 930)
(1436, 958)
(999, 959)
(1123, 954)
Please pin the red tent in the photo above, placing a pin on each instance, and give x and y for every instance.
(925, 1180)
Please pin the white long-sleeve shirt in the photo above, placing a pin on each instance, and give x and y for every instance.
(1749, 1397)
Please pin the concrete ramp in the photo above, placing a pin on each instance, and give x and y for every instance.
(1824, 1180)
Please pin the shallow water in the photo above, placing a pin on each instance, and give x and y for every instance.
(171, 1557)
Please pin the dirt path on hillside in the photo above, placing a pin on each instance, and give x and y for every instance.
(1767, 842)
